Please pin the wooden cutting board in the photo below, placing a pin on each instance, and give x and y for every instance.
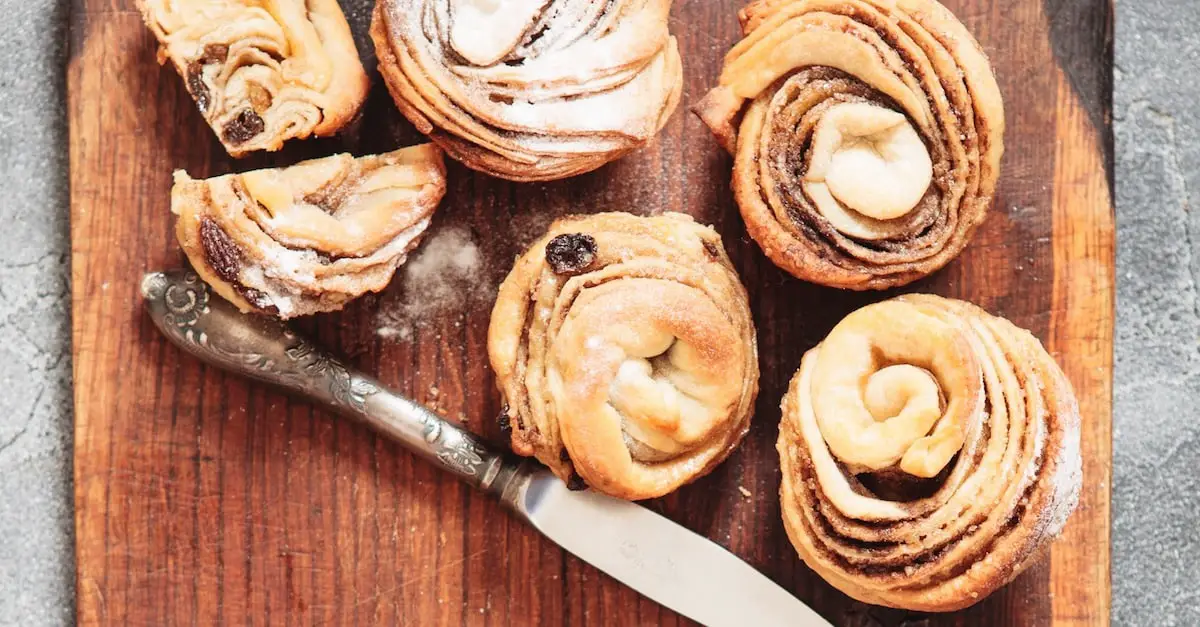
(203, 499)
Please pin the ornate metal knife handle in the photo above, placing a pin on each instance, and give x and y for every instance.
(213, 330)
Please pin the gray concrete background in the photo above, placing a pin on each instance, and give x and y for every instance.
(1156, 462)
(36, 548)
(1157, 449)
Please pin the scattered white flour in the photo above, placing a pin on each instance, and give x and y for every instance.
(392, 333)
(442, 278)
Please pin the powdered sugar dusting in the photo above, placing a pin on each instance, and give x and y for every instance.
(440, 282)
(392, 333)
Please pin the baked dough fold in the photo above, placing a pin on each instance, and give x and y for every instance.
(310, 237)
(530, 90)
(262, 73)
(866, 135)
(929, 451)
(625, 353)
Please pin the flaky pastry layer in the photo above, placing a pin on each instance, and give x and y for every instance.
(930, 453)
(866, 135)
(625, 353)
(262, 73)
(530, 90)
(310, 237)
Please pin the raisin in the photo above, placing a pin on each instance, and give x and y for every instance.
(220, 251)
(257, 298)
(564, 456)
(196, 86)
(571, 253)
(215, 53)
(243, 127)
(225, 258)
(714, 252)
(260, 98)
(576, 483)
(505, 422)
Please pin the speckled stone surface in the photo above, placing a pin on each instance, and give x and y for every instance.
(36, 548)
(1157, 423)
(1156, 463)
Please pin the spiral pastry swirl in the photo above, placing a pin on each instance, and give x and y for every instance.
(929, 452)
(869, 139)
(262, 73)
(310, 237)
(625, 353)
(530, 90)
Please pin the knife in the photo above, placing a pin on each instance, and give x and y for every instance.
(663, 561)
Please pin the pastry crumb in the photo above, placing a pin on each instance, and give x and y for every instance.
(746, 493)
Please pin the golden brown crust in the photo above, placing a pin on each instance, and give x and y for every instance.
(545, 89)
(625, 353)
(310, 237)
(866, 134)
(930, 452)
(262, 74)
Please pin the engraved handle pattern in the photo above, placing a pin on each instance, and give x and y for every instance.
(183, 308)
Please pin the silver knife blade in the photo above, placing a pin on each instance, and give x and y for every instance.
(662, 560)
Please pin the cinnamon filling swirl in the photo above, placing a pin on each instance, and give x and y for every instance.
(929, 452)
(866, 135)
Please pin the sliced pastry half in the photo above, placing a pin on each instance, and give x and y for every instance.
(308, 238)
(262, 73)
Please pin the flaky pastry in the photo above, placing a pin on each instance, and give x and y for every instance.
(625, 353)
(530, 90)
(866, 136)
(262, 73)
(310, 237)
(930, 452)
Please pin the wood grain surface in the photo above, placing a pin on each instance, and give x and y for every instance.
(202, 499)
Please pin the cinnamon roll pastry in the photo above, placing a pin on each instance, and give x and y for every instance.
(530, 90)
(866, 136)
(625, 353)
(262, 73)
(308, 238)
(929, 451)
